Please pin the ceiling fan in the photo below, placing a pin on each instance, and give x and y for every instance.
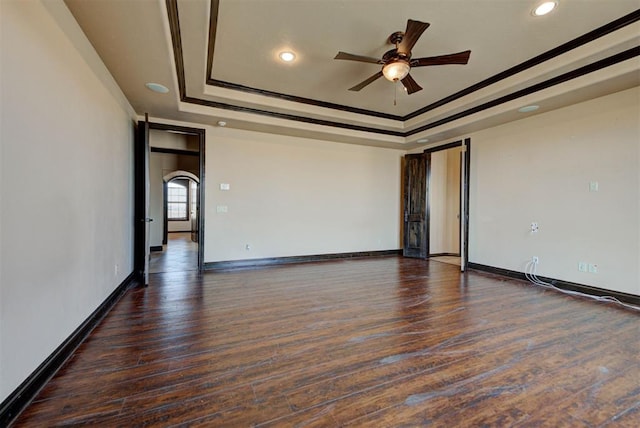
(397, 62)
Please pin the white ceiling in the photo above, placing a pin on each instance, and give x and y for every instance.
(250, 88)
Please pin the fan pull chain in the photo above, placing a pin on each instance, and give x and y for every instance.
(395, 94)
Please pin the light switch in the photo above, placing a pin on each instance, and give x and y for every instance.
(224, 186)
(593, 186)
(221, 208)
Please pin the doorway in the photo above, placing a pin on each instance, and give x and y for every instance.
(436, 209)
(175, 232)
(444, 204)
(180, 215)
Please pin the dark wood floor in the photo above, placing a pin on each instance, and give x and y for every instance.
(372, 342)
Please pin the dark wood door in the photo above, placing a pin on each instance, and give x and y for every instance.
(141, 253)
(194, 200)
(415, 206)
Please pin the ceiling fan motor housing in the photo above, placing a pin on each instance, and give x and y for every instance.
(397, 63)
(396, 37)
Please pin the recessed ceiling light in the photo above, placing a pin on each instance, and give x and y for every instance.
(156, 87)
(422, 140)
(287, 56)
(544, 8)
(528, 109)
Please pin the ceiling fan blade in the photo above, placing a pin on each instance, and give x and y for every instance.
(410, 85)
(366, 82)
(352, 57)
(455, 58)
(411, 35)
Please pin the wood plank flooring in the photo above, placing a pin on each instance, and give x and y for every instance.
(179, 255)
(384, 342)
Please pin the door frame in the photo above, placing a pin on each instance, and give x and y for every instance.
(464, 197)
(139, 187)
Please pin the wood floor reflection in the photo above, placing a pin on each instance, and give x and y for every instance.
(179, 255)
(381, 342)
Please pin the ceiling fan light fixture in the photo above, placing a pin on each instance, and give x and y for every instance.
(544, 8)
(396, 70)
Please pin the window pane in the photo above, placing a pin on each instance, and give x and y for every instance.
(177, 198)
(176, 210)
(177, 194)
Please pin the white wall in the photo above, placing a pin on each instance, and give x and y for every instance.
(437, 194)
(179, 226)
(539, 169)
(65, 224)
(292, 196)
(160, 164)
(452, 236)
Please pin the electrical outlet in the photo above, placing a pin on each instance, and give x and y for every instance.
(582, 267)
(247, 247)
(535, 260)
(593, 268)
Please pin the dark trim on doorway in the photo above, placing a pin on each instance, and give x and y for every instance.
(277, 261)
(427, 153)
(155, 248)
(174, 151)
(467, 181)
(427, 205)
(200, 133)
(165, 212)
(20, 398)
(443, 147)
(140, 196)
(444, 255)
(564, 285)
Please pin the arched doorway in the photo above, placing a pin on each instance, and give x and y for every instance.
(180, 220)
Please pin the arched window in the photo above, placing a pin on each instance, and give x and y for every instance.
(177, 200)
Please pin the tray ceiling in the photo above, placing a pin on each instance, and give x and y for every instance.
(220, 61)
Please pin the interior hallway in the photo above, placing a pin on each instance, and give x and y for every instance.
(179, 255)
